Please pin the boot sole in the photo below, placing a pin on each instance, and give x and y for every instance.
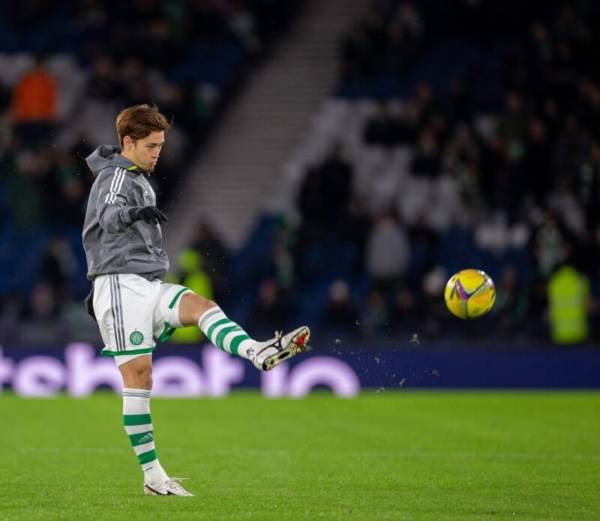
(298, 344)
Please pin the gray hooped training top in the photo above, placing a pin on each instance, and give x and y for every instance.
(112, 243)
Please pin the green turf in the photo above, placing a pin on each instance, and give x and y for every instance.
(386, 456)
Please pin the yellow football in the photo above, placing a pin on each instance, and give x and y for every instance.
(470, 293)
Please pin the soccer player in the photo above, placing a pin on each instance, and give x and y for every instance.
(126, 261)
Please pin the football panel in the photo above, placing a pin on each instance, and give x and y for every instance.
(482, 301)
(471, 279)
(456, 299)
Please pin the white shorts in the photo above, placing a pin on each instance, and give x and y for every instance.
(134, 314)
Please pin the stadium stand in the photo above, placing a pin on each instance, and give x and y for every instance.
(460, 134)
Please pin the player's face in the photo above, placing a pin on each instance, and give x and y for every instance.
(145, 151)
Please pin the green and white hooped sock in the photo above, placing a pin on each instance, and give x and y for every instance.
(138, 426)
(224, 333)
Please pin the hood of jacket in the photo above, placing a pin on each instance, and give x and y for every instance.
(106, 156)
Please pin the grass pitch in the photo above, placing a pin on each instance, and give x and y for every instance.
(387, 456)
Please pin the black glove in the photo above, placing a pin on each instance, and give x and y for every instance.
(88, 302)
(149, 214)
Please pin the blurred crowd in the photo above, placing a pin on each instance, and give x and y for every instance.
(490, 161)
(462, 134)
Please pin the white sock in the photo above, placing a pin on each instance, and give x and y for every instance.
(224, 333)
(138, 425)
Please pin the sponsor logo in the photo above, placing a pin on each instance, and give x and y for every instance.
(147, 438)
(209, 372)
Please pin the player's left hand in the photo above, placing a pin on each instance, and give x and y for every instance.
(149, 214)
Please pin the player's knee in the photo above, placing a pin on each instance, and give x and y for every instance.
(192, 307)
(144, 377)
(137, 374)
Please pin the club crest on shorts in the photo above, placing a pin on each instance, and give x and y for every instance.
(136, 338)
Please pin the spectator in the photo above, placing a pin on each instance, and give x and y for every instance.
(512, 127)
(512, 302)
(426, 162)
(11, 316)
(325, 195)
(388, 129)
(35, 105)
(589, 186)
(25, 188)
(551, 244)
(571, 148)
(374, 317)
(269, 308)
(103, 84)
(340, 316)
(388, 254)
(537, 165)
(58, 269)
(190, 273)
(215, 257)
(44, 304)
(568, 298)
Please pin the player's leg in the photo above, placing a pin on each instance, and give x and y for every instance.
(137, 387)
(136, 371)
(124, 306)
(231, 338)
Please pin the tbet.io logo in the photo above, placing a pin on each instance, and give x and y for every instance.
(83, 372)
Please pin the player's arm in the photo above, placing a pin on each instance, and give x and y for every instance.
(112, 203)
(115, 213)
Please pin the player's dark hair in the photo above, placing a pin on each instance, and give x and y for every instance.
(139, 121)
